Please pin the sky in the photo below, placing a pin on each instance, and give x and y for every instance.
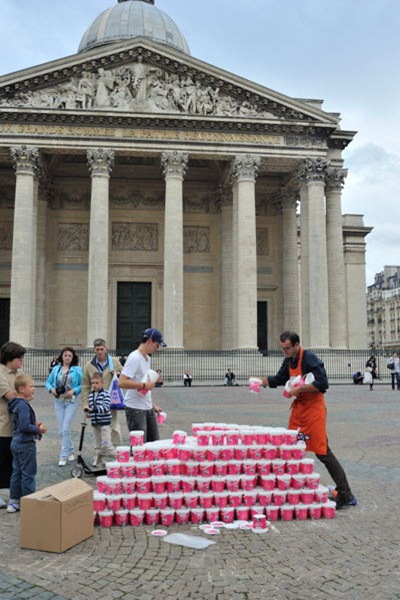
(345, 52)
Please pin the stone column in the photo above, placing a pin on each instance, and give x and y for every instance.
(335, 257)
(245, 168)
(26, 162)
(290, 267)
(314, 172)
(226, 269)
(100, 164)
(174, 165)
(304, 267)
(45, 192)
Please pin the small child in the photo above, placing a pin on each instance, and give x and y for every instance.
(98, 410)
(23, 445)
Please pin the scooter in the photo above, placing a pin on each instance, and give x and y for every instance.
(81, 466)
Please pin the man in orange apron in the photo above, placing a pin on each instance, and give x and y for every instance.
(308, 410)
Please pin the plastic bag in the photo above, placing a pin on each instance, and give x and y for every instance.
(117, 397)
(191, 541)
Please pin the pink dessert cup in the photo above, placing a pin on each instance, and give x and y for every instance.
(306, 496)
(321, 494)
(272, 512)
(152, 516)
(287, 512)
(176, 500)
(143, 486)
(227, 514)
(267, 482)
(113, 469)
(128, 469)
(123, 454)
(121, 517)
(301, 511)
(307, 466)
(315, 511)
(250, 498)
(293, 467)
(293, 496)
(188, 484)
(265, 497)
(145, 501)
(197, 515)
(136, 438)
(160, 501)
(212, 514)
(167, 517)
(129, 501)
(279, 497)
(106, 518)
(243, 513)
(235, 499)
(114, 502)
(128, 485)
(99, 501)
(221, 499)
(136, 517)
(182, 516)
(191, 499)
(329, 510)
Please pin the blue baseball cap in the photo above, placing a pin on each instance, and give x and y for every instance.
(155, 336)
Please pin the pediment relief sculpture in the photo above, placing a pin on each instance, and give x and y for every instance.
(141, 87)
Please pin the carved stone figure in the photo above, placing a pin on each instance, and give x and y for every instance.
(138, 87)
(73, 237)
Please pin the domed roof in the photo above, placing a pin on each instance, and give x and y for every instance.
(130, 19)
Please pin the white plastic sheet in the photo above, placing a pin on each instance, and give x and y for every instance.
(191, 541)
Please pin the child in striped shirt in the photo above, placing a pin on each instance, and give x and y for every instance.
(99, 412)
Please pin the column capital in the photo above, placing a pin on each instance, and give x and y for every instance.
(289, 198)
(100, 161)
(174, 164)
(245, 166)
(313, 169)
(335, 179)
(26, 159)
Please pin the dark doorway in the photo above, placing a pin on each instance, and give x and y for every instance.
(262, 326)
(133, 313)
(4, 320)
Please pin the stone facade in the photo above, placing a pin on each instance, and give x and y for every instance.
(140, 164)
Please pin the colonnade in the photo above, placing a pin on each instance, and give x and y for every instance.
(314, 300)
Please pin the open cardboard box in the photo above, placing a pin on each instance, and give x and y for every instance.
(57, 517)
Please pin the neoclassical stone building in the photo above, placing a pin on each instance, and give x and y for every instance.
(140, 185)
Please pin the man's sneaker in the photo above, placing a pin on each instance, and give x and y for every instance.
(62, 462)
(12, 508)
(71, 458)
(343, 502)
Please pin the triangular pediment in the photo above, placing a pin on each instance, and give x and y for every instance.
(142, 78)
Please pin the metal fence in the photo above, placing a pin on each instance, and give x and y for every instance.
(211, 365)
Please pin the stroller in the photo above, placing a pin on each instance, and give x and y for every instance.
(81, 466)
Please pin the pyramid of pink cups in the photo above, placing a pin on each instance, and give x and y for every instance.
(222, 472)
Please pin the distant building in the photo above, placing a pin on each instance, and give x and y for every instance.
(383, 309)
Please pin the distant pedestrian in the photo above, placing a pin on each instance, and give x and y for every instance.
(393, 364)
(187, 378)
(230, 378)
(370, 368)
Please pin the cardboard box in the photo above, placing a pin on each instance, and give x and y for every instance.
(58, 517)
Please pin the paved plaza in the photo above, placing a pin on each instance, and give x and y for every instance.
(355, 556)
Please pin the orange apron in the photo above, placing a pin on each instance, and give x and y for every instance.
(308, 413)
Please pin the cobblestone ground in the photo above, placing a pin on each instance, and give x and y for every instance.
(355, 556)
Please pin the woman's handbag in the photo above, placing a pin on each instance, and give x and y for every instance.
(117, 397)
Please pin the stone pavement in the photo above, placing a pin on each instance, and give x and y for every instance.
(355, 556)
